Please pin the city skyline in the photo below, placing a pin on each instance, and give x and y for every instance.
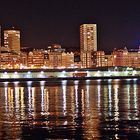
(43, 23)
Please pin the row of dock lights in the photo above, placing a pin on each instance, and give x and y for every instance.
(17, 75)
(114, 72)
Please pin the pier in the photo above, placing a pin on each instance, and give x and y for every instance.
(69, 74)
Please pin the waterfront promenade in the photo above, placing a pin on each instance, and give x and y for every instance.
(69, 74)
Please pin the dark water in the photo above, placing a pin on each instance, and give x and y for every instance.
(70, 110)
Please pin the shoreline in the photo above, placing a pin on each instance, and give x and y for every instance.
(70, 78)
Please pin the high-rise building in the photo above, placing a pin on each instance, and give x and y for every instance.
(88, 43)
(12, 40)
(0, 36)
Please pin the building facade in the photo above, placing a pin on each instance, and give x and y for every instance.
(125, 58)
(12, 40)
(88, 43)
(0, 37)
(35, 59)
(67, 60)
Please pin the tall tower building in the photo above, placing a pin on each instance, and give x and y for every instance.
(12, 40)
(88, 43)
(0, 37)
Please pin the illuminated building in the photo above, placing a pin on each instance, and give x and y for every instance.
(10, 60)
(67, 60)
(0, 36)
(88, 43)
(55, 59)
(35, 59)
(125, 58)
(99, 59)
(55, 55)
(108, 60)
(46, 58)
(12, 40)
(23, 60)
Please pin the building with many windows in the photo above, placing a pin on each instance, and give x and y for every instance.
(67, 60)
(88, 43)
(0, 37)
(35, 59)
(9, 60)
(12, 40)
(125, 58)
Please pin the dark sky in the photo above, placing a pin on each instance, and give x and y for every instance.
(44, 22)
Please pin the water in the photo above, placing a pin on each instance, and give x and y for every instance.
(70, 110)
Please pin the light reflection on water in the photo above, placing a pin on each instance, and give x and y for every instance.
(70, 110)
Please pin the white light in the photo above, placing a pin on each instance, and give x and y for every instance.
(5, 72)
(42, 83)
(76, 82)
(42, 72)
(63, 71)
(16, 83)
(135, 79)
(29, 83)
(29, 72)
(87, 81)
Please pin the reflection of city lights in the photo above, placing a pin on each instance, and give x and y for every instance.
(42, 83)
(135, 79)
(116, 103)
(17, 101)
(109, 80)
(87, 81)
(64, 99)
(99, 95)
(10, 99)
(87, 94)
(76, 97)
(128, 96)
(128, 79)
(22, 102)
(42, 99)
(29, 83)
(110, 97)
(46, 99)
(116, 80)
(135, 97)
(16, 83)
(31, 99)
(76, 82)
(6, 98)
(6, 84)
(64, 82)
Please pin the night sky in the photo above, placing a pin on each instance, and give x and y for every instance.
(45, 22)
